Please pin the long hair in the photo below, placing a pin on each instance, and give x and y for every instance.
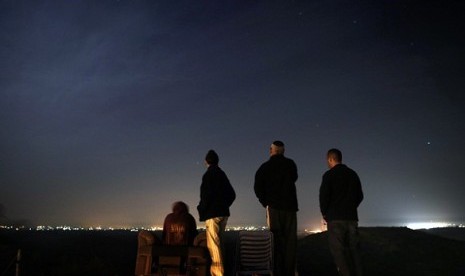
(180, 207)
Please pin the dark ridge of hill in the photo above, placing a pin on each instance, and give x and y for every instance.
(385, 251)
(456, 233)
(69, 253)
(388, 251)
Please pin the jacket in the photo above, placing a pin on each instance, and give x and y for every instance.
(216, 194)
(179, 227)
(340, 194)
(275, 183)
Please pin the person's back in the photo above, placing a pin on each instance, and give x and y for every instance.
(216, 193)
(275, 183)
(216, 197)
(275, 189)
(179, 227)
(341, 193)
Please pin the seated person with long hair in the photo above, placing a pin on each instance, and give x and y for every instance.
(179, 227)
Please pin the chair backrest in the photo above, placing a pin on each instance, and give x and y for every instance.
(145, 240)
(201, 239)
(255, 252)
(182, 260)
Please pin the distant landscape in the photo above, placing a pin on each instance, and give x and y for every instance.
(392, 251)
(385, 251)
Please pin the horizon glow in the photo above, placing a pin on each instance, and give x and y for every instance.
(428, 225)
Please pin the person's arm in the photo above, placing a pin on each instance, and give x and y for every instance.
(231, 194)
(205, 196)
(294, 173)
(192, 230)
(324, 196)
(359, 189)
(259, 187)
(165, 229)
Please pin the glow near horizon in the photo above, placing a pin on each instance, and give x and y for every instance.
(311, 230)
(429, 225)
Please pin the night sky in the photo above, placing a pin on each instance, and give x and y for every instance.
(107, 108)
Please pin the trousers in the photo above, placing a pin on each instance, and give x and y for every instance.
(344, 244)
(214, 229)
(283, 225)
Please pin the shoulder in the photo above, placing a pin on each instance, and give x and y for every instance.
(282, 159)
(264, 167)
(352, 170)
(169, 217)
(211, 171)
(214, 170)
(266, 163)
(327, 174)
(353, 173)
(290, 161)
(347, 169)
(187, 217)
(219, 172)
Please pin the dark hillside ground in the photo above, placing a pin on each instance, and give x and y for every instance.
(70, 252)
(385, 251)
(455, 233)
(390, 251)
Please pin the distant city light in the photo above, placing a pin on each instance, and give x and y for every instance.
(313, 231)
(429, 225)
(307, 231)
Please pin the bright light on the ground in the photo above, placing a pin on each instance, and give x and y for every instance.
(427, 225)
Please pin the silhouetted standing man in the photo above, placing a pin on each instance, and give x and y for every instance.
(216, 196)
(340, 195)
(275, 189)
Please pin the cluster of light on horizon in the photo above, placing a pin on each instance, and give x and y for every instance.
(429, 225)
(413, 226)
(100, 228)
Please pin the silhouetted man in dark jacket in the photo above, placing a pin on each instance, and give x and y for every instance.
(216, 196)
(340, 195)
(275, 189)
